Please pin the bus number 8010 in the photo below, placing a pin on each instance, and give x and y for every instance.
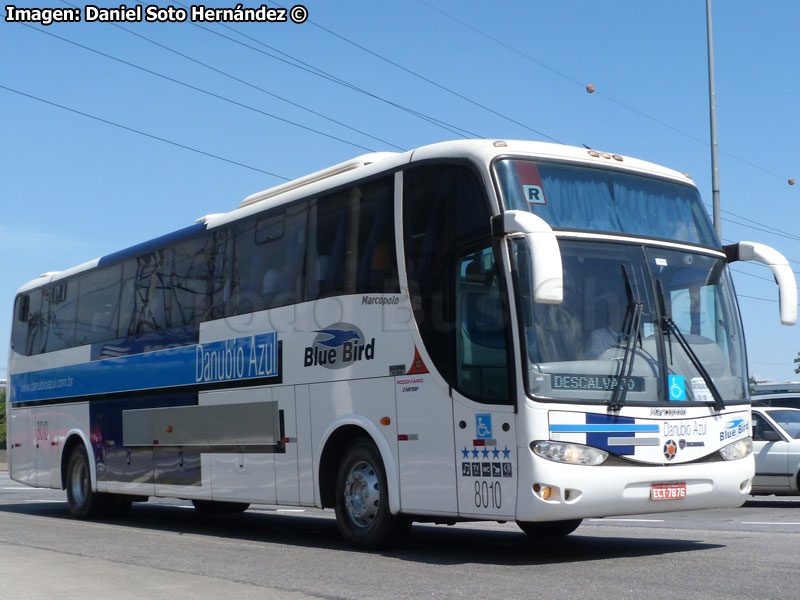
(488, 495)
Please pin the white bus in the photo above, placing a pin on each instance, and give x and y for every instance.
(494, 330)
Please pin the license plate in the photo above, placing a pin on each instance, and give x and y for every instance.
(668, 491)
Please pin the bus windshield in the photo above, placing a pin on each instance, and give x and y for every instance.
(571, 197)
(626, 313)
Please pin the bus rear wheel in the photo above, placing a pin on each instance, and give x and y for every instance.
(362, 499)
(82, 500)
(550, 529)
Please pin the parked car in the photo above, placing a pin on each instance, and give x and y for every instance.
(788, 400)
(776, 447)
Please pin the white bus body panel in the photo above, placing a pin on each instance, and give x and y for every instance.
(36, 440)
(608, 491)
(605, 490)
(486, 459)
(287, 480)
(427, 471)
(361, 402)
(305, 454)
(236, 476)
(47, 445)
(22, 445)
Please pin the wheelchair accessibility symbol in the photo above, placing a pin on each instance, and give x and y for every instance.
(677, 387)
(483, 426)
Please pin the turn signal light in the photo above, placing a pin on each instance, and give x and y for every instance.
(544, 492)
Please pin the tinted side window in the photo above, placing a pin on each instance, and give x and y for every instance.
(98, 307)
(351, 242)
(62, 316)
(481, 360)
(145, 284)
(19, 328)
(443, 208)
(763, 431)
(192, 281)
(37, 323)
(268, 260)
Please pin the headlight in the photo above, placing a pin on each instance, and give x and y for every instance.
(738, 449)
(573, 454)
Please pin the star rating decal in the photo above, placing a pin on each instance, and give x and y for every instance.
(485, 452)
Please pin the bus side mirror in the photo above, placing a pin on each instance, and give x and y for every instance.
(787, 286)
(546, 268)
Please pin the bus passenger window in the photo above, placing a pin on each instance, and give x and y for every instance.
(63, 315)
(351, 242)
(268, 260)
(146, 286)
(19, 330)
(37, 332)
(191, 281)
(98, 307)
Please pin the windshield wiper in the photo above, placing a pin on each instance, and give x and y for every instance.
(719, 403)
(669, 326)
(635, 309)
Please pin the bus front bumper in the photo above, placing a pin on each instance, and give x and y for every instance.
(551, 491)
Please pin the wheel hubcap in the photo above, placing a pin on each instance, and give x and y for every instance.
(362, 494)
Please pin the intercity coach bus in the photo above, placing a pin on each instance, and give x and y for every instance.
(496, 330)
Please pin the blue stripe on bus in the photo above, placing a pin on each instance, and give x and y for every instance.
(600, 439)
(239, 359)
(146, 342)
(151, 245)
(604, 428)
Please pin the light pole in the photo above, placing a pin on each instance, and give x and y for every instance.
(712, 107)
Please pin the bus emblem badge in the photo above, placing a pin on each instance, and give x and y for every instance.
(337, 346)
(670, 449)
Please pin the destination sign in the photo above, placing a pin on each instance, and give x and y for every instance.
(602, 383)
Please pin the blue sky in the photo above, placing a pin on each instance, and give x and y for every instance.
(75, 188)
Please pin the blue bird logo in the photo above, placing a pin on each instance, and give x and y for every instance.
(337, 337)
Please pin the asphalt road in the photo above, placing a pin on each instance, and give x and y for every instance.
(163, 549)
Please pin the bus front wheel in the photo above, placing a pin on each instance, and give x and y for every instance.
(82, 500)
(362, 499)
(549, 528)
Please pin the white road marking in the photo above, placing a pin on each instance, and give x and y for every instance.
(631, 520)
(50, 501)
(765, 523)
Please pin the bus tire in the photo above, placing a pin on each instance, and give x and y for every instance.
(362, 499)
(82, 500)
(551, 529)
(214, 507)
